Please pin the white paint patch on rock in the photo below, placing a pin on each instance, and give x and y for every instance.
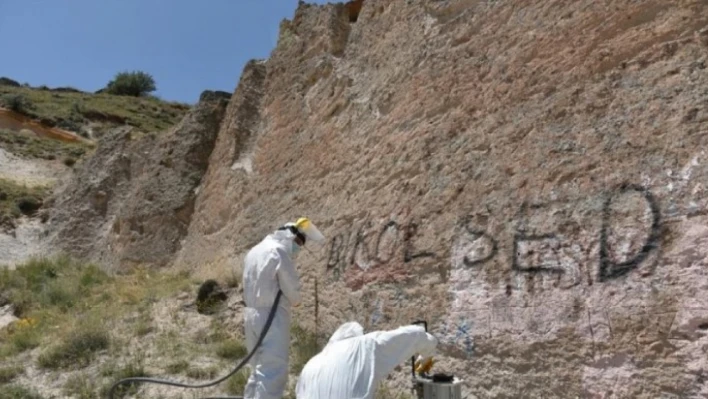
(468, 316)
(609, 377)
(244, 163)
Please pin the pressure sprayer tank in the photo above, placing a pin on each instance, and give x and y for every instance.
(427, 388)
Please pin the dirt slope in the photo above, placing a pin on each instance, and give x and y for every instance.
(529, 177)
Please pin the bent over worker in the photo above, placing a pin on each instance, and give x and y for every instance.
(269, 267)
(353, 364)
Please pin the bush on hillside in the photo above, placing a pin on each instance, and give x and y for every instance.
(77, 349)
(136, 84)
(19, 392)
(17, 103)
(8, 82)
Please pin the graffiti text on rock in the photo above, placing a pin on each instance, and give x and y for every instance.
(542, 242)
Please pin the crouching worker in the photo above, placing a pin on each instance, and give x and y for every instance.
(353, 364)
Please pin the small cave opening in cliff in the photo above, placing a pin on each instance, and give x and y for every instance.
(353, 9)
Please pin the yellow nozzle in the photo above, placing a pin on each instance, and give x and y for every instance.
(425, 366)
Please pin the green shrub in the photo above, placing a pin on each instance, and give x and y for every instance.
(16, 200)
(136, 84)
(199, 373)
(143, 327)
(17, 103)
(19, 392)
(236, 383)
(304, 347)
(9, 373)
(231, 350)
(133, 369)
(177, 367)
(8, 82)
(80, 387)
(25, 337)
(77, 349)
(70, 162)
(43, 283)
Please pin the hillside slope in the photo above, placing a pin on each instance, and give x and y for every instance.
(88, 114)
(530, 178)
(44, 132)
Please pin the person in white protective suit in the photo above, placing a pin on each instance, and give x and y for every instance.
(269, 267)
(353, 364)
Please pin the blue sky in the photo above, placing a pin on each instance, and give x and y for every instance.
(187, 45)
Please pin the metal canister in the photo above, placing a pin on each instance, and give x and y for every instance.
(429, 389)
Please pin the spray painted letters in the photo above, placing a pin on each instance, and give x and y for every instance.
(555, 239)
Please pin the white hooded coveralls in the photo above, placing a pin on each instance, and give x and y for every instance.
(269, 268)
(352, 365)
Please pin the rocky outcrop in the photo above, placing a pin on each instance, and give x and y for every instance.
(132, 201)
(530, 178)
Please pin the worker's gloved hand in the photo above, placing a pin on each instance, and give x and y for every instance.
(424, 364)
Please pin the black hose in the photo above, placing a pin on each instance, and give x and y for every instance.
(245, 360)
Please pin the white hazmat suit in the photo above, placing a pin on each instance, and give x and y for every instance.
(353, 364)
(269, 268)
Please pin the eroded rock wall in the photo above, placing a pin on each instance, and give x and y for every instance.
(132, 201)
(530, 177)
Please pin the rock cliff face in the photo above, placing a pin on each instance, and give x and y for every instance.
(530, 177)
(132, 201)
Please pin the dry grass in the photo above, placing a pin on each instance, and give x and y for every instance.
(231, 350)
(19, 392)
(41, 147)
(75, 316)
(177, 367)
(80, 386)
(203, 373)
(236, 383)
(77, 349)
(9, 373)
(135, 368)
(383, 392)
(304, 347)
(68, 308)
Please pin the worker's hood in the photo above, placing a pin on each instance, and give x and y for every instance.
(347, 330)
(283, 237)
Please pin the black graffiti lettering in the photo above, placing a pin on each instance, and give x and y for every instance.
(608, 268)
(390, 226)
(520, 238)
(479, 235)
(335, 251)
(336, 274)
(410, 232)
